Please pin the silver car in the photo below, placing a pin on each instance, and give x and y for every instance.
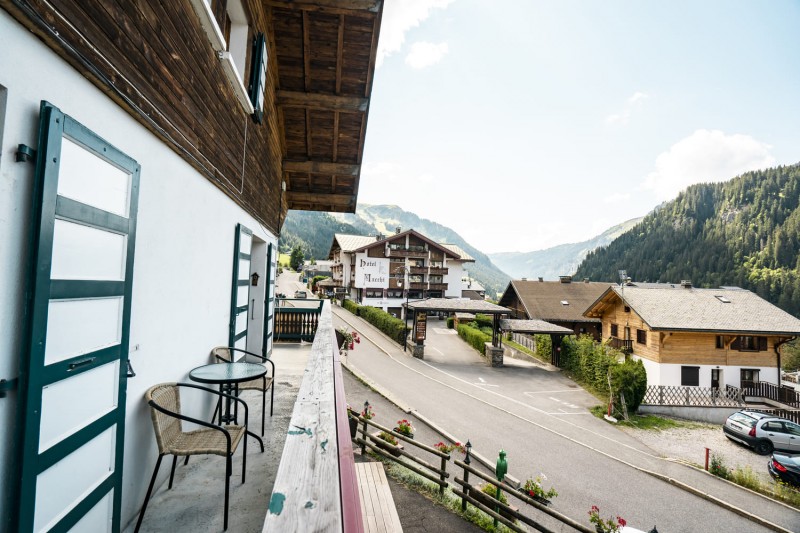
(763, 432)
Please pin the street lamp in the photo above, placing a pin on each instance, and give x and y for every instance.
(405, 271)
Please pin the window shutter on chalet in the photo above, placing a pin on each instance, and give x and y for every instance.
(736, 344)
(258, 77)
(762, 344)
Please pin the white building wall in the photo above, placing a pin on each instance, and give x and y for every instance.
(670, 374)
(455, 271)
(183, 262)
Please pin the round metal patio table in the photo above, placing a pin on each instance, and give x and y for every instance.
(228, 376)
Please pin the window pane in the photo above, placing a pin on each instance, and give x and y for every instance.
(690, 376)
(93, 181)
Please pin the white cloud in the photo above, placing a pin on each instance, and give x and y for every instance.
(399, 16)
(424, 54)
(706, 156)
(632, 104)
(616, 198)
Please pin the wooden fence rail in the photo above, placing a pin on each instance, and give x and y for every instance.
(770, 391)
(297, 323)
(437, 475)
(466, 496)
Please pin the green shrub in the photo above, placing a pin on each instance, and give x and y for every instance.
(450, 321)
(391, 326)
(474, 337)
(544, 346)
(491, 490)
(718, 468)
(630, 379)
(484, 321)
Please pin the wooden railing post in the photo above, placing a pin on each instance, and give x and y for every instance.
(442, 475)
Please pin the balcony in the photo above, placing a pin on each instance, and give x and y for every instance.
(419, 270)
(437, 286)
(625, 346)
(438, 271)
(411, 251)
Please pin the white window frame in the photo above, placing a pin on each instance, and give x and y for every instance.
(229, 53)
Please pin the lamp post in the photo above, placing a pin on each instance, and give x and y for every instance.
(405, 271)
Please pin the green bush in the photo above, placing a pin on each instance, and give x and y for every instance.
(544, 346)
(484, 321)
(474, 337)
(630, 379)
(450, 321)
(391, 326)
(491, 490)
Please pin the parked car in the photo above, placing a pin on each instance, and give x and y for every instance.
(300, 294)
(763, 432)
(785, 468)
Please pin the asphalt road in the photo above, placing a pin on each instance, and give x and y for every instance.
(540, 419)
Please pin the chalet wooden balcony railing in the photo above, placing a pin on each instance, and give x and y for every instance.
(419, 270)
(693, 396)
(411, 251)
(438, 271)
(624, 345)
(770, 391)
(297, 319)
(437, 286)
(317, 461)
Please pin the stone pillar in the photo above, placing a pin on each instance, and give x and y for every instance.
(418, 350)
(494, 355)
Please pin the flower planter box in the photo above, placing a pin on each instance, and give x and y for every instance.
(393, 449)
(403, 434)
(543, 501)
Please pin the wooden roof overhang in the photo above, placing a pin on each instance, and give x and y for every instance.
(453, 305)
(605, 302)
(326, 52)
(533, 327)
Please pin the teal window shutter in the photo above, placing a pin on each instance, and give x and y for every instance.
(258, 77)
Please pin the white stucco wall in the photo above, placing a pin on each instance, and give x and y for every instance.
(455, 271)
(670, 374)
(185, 238)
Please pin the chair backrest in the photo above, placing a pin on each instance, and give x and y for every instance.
(167, 428)
(222, 353)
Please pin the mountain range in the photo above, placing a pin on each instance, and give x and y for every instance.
(560, 260)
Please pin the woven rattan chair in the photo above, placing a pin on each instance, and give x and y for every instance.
(165, 410)
(227, 354)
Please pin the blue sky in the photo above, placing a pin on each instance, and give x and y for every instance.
(526, 124)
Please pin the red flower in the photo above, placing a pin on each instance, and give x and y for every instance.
(621, 521)
(595, 509)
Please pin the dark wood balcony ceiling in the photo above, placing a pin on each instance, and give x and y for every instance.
(325, 52)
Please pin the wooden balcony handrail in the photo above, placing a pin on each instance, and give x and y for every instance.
(317, 460)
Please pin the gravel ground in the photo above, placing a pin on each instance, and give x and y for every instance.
(688, 444)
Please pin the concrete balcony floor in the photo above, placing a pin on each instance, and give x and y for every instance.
(196, 501)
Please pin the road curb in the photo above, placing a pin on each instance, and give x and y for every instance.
(514, 482)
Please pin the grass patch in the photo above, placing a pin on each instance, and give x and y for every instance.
(745, 477)
(648, 422)
(447, 500)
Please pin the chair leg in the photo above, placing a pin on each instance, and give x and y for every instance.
(271, 397)
(172, 473)
(228, 468)
(217, 409)
(244, 453)
(263, 409)
(149, 492)
(186, 462)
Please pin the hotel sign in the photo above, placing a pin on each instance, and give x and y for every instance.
(372, 272)
(420, 326)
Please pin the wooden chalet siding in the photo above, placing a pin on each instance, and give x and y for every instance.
(377, 251)
(617, 315)
(700, 349)
(157, 63)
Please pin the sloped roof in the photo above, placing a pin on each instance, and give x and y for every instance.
(456, 249)
(349, 243)
(533, 326)
(673, 307)
(542, 299)
(460, 305)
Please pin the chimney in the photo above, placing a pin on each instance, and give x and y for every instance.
(541, 280)
(686, 283)
(397, 230)
(379, 237)
(524, 279)
(565, 279)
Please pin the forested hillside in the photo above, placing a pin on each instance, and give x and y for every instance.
(744, 232)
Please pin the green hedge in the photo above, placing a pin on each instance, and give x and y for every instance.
(391, 326)
(450, 321)
(592, 363)
(474, 337)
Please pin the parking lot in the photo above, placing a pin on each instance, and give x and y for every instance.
(688, 444)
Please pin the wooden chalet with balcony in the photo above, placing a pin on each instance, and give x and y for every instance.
(688, 336)
(385, 271)
(558, 302)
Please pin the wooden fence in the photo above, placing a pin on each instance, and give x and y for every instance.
(297, 323)
(785, 395)
(693, 396)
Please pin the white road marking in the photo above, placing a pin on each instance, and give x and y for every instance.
(481, 380)
(445, 331)
(486, 384)
(549, 391)
(435, 350)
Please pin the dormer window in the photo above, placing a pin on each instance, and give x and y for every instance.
(564, 302)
